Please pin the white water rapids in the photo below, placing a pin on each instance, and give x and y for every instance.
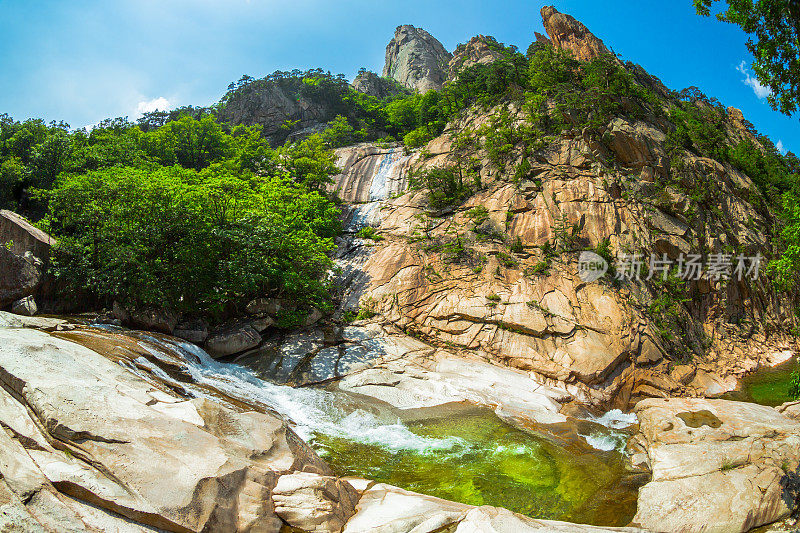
(313, 411)
(309, 410)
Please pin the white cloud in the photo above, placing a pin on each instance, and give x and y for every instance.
(780, 147)
(156, 104)
(760, 90)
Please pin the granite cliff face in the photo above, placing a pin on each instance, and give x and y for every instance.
(487, 300)
(271, 107)
(416, 59)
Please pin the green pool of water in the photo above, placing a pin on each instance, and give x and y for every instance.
(767, 386)
(492, 463)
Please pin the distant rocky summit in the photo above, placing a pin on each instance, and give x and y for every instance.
(479, 50)
(569, 34)
(271, 106)
(416, 59)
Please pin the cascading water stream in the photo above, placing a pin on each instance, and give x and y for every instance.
(310, 411)
(381, 186)
(472, 457)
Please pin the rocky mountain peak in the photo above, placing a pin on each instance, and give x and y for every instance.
(416, 59)
(479, 50)
(569, 34)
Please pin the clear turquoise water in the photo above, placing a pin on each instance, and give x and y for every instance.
(767, 386)
(492, 463)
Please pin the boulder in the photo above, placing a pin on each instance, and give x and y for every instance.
(261, 324)
(488, 519)
(717, 465)
(314, 503)
(19, 277)
(192, 330)
(569, 34)
(416, 59)
(146, 318)
(387, 509)
(26, 306)
(232, 340)
(154, 319)
(24, 236)
(314, 316)
(409, 384)
(9, 320)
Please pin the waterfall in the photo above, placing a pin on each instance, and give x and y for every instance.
(387, 180)
(381, 185)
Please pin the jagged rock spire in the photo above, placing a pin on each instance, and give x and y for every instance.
(569, 34)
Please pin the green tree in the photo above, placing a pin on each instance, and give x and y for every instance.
(309, 161)
(13, 175)
(445, 186)
(774, 30)
(190, 142)
(191, 241)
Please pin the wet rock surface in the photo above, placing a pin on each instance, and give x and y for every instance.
(80, 427)
(112, 441)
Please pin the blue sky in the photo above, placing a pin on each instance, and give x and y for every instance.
(82, 61)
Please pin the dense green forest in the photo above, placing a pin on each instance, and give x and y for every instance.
(181, 211)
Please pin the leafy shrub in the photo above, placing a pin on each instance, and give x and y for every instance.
(507, 260)
(603, 249)
(446, 187)
(368, 232)
(416, 138)
(794, 386)
(478, 214)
